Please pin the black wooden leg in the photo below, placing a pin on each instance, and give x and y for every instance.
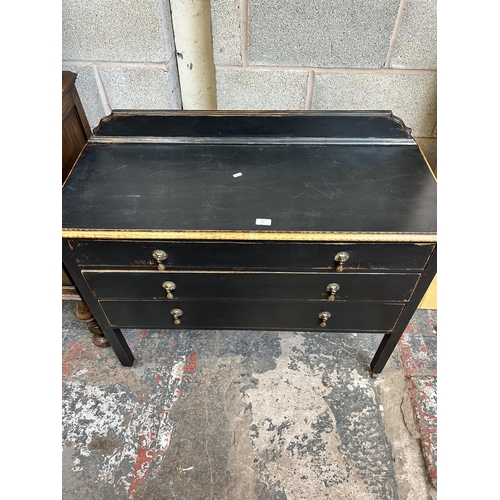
(384, 351)
(390, 341)
(113, 336)
(119, 345)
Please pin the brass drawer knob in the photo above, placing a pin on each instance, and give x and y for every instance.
(332, 289)
(159, 256)
(176, 313)
(340, 259)
(323, 316)
(169, 286)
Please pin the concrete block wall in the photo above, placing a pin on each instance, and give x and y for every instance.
(328, 54)
(268, 54)
(123, 53)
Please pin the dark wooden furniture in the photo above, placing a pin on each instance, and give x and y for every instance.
(75, 133)
(75, 126)
(302, 221)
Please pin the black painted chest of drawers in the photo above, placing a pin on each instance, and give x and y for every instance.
(293, 221)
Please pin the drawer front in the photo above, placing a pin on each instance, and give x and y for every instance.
(251, 255)
(207, 285)
(297, 316)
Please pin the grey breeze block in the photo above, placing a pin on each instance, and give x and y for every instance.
(107, 30)
(324, 33)
(412, 97)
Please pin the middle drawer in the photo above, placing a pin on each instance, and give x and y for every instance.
(199, 285)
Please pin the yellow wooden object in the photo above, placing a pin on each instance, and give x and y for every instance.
(430, 298)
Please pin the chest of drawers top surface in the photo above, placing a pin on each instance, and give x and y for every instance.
(307, 176)
(304, 221)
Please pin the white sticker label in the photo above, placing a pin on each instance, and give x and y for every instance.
(239, 174)
(263, 222)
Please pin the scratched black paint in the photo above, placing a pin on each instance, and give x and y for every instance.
(299, 187)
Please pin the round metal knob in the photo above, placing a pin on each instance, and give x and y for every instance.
(332, 289)
(340, 259)
(323, 316)
(159, 256)
(169, 286)
(176, 313)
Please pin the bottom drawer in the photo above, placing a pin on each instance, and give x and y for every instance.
(300, 316)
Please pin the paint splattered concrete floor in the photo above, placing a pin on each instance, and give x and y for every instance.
(248, 415)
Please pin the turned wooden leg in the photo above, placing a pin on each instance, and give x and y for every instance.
(83, 313)
(114, 336)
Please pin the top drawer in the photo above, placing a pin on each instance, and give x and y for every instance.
(251, 255)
